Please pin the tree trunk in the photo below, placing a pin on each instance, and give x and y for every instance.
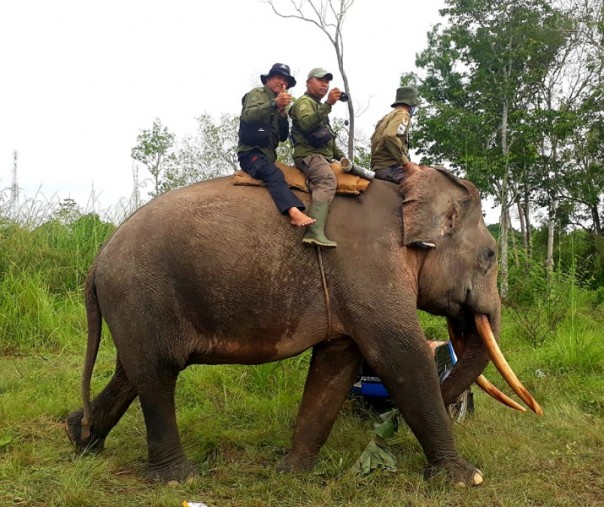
(527, 222)
(521, 217)
(513, 238)
(339, 54)
(596, 219)
(503, 252)
(551, 222)
(503, 220)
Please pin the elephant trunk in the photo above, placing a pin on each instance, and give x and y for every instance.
(472, 359)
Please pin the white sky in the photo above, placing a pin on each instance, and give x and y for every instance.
(81, 78)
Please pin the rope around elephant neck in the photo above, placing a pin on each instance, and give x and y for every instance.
(325, 290)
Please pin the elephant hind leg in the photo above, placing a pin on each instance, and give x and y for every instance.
(106, 410)
(333, 369)
(167, 461)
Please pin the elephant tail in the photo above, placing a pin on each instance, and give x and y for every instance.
(94, 317)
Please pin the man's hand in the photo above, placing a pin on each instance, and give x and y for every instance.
(333, 96)
(283, 100)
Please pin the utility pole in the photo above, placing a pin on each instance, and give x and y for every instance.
(14, 189)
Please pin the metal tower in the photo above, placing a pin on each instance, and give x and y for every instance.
(14, 189)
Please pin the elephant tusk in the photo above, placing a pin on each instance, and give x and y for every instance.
(482, 381)
(484, 330)
(492, 391)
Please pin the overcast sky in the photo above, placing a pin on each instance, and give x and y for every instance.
(81, 78)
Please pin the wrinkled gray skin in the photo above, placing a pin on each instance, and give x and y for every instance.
(211, 274)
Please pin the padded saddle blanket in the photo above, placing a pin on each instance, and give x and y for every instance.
(350, 184)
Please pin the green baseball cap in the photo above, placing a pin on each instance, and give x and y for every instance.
(320, 73)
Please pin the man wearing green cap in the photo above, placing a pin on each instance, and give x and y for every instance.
(390, 140)
(314, 149)
(263, 124)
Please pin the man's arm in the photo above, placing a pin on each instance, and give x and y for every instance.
(309, 114)
(257, 107)
(398, 126)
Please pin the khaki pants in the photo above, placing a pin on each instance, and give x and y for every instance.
(321, 179)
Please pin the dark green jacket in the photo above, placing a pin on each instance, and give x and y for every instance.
(307, 115)
(256, 108)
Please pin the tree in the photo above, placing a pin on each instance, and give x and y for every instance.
(482, 72)
(328, 16)
(209, 154)
(582, 179)
(68, 211)
(153, 150)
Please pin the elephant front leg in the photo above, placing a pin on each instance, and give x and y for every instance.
(333, 368)
(410, 376)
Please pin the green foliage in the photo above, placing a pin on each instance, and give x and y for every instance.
(542, 301)
(209, 154)
(576, 250)
(579, 348)
(42, 273)
(538, 301)
(480, 75)
(236, 421)
(153, 149)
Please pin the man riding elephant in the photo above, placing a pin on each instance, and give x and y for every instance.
(263, 124)
(315, 148)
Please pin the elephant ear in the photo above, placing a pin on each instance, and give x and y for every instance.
(434, 200)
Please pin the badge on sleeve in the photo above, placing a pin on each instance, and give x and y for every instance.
(402, 128)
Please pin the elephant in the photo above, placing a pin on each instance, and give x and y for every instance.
(210, 274)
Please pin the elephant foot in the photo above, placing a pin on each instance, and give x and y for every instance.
(175, 473)
(294, 462)
(459, 473)
(73, 428)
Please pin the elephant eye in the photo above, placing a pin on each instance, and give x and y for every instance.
(487, 259)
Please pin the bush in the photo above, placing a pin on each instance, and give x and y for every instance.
(540, 301)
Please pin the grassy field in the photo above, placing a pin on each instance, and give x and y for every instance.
(236, 423)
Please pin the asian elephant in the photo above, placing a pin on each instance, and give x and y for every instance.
(212, 274)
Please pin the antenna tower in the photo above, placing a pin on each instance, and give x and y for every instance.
(14, 189)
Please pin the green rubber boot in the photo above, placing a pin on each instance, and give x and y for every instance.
(315, 233)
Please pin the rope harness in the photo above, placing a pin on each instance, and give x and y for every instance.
(325, 290)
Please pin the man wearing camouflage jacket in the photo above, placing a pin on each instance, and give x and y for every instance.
(390, 140)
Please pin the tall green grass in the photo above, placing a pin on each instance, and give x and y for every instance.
(42, 273)
(236, 422)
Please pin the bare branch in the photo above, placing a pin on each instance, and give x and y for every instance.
(329, 19)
